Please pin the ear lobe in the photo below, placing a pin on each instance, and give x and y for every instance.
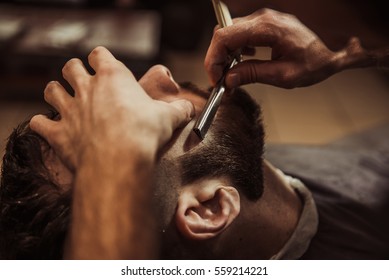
(203, 213)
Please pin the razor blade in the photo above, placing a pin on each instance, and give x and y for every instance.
(206, 117)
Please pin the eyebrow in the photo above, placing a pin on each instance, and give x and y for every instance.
(189, 86)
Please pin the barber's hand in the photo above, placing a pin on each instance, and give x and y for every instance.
(299, 57)
(109, 115)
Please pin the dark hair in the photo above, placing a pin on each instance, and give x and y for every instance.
(34, 211)
(233, 147)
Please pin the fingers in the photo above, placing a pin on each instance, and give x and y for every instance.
(76, 74)
(229, 39)
(100, 57)
(159, 83)
(183, 111)
(275, 73)
(104, 63)
(44, 127)
(257, 29)
(57, 96)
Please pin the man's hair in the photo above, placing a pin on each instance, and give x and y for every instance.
(35, 211)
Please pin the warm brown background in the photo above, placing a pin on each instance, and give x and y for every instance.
(345, 103)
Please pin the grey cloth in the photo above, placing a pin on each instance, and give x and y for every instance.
(349, 181)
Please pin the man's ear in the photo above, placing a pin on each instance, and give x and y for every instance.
(205, 210)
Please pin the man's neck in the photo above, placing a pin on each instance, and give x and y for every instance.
(268, 223)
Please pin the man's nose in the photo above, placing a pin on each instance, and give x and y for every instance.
(158, 82)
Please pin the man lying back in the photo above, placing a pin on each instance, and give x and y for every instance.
(212, 199)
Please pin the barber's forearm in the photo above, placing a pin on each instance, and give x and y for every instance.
(107, 220)
(356, 56)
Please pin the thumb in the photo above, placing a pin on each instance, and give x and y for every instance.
(182, 112)
(253, 71)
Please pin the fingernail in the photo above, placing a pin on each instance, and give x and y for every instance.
(233, 80)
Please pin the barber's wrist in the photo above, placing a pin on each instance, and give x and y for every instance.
(118, 158)
(108, 192)
(124, 149)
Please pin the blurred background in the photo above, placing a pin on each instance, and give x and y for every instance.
(38, 37)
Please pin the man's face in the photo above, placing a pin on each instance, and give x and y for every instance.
(235, 134)
(160, 85)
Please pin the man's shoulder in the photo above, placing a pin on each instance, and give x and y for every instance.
(349, 180)
(356, 166)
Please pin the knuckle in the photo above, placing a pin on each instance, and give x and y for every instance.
(97, 50)
(268, 17)
(266, 12)
(69, 64)
(34, 122)
(49, 89)
(271, 16)
(219, 35)
(159, 68)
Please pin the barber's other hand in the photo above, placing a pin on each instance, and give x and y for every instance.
(110, 114)
(299, 57)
